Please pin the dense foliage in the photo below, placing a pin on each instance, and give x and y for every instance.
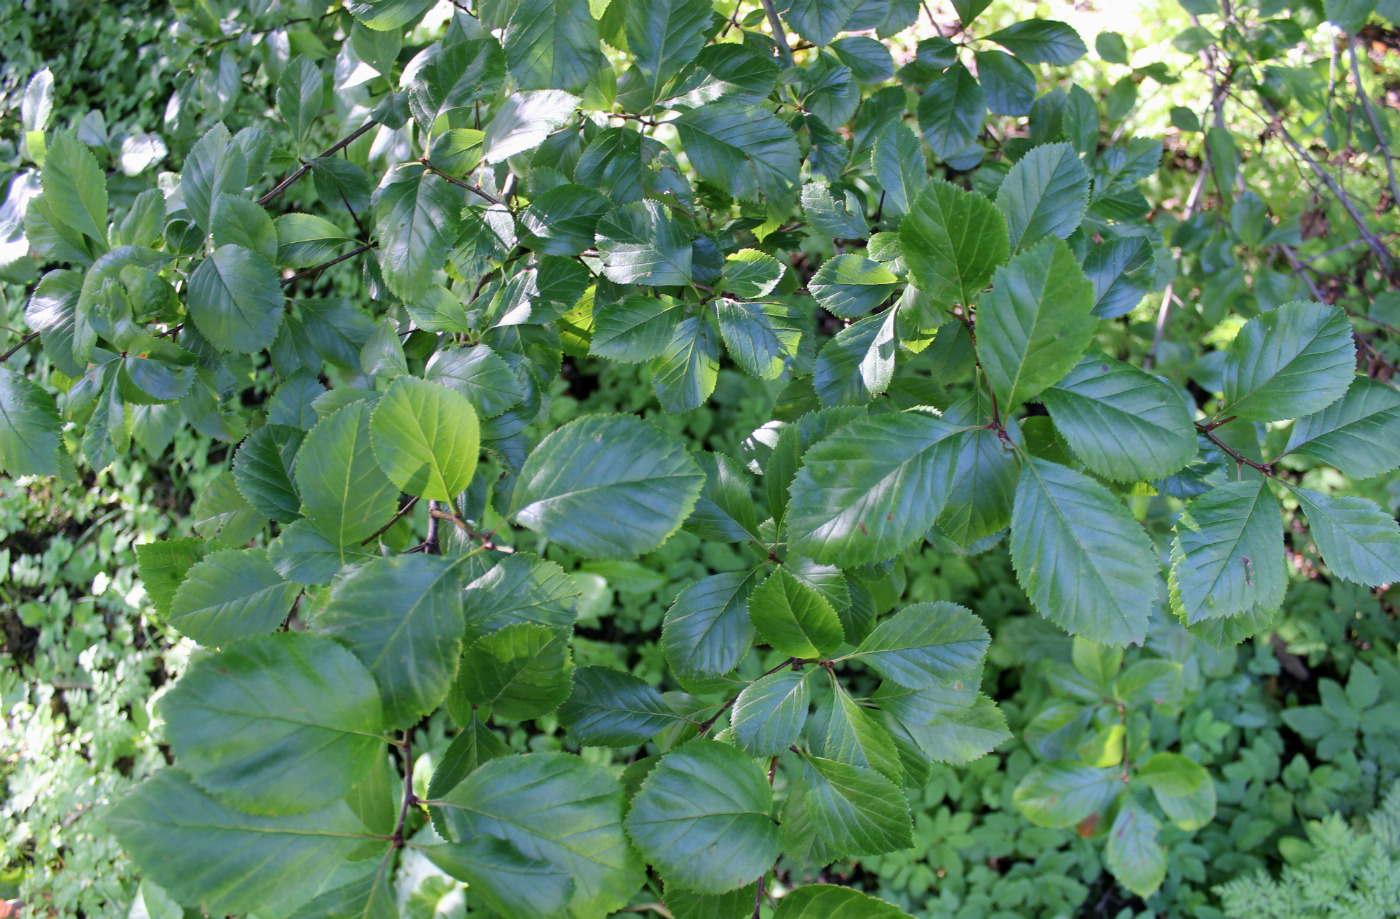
(647, 455)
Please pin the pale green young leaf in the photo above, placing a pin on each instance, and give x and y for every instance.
(238, 221)
(1086, 564)
(853, 735)
(607, 486)
(1289, 362)
(702, 818)
(402, 617)
(1124, 423)
(1358, 541)
(1035, 324)
(277, 724)
(1172, 774)
(1227, 558)
(387, 15)
(229, 595)
(426, 439)
(793, 618)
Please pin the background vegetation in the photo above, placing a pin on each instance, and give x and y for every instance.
(1275, 184)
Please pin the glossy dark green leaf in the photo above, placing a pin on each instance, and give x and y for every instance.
(75, 188)
(685, 373)
(1122, 271)
(926, 644)
(30, 430)
(1227, 557)
(702, 818)
(553, 44)
(1084, 561)
(850, 286)
(1359, 433)
(204, 852)
(770, 713)
(458, 74)
(1041, 41)
(215, 165)
(525, 119)
(238, 221)
(725, 510)
(386, 15)
(764, 339)
(707, 629)
(229, 595)
(417, 218)
(1035, 324)
(302, 554)
(858, 364)
(262, 468)
(277, 724)
(554, 808)
(953, 240)
(1045, 194)
(1009, 84)
(521, 671)
(162, 567)
(869, 490)
(635, 328)
(607, 486)
(235, 299)
(1289, 362)
(1358, 541)
(507, 881)
(744, 150)
(899, 164)
(855, 810)
(520, 588)
(665, 35)
(402, 617)
(610, 708)
(479, 374)
(299, 94)
(951, 111)
(561, 220)
(643, 244)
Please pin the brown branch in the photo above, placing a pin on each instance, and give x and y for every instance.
(306, 167)
(1266, 468)
(779, 35)
(458, 182)
(315, 269)
(22, 342)
(409, 798)
(1375, 124)
(397, 517)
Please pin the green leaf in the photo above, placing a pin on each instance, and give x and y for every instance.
(850, 286)
(1289, 362)
(610, 708)
(343, 492)
(725, 510)
(1227, 557)
(225, 860)
(687, 904)
(417, 217)
(926, 644)
(954, 726)
(553, 44)
(1084, 561)
(305, 240)
(953, 240)
(764, 339)
(1359, 433)
(53, 312)
(819, 21)
(1035, 324)
(686, 372)
(215, 165)
(1122, 271)
(899, 165)
(238, 221)
(701, 818)
(607, 486)
(856, 811)
(522, 671)
(478, 373)
(387, 15)
(476, 744)
(750, 274)
(75, 188)
(1134, 856)
(222, 513)
(561, 220)
(870, 489)
(301, 553)
(642, 243)
(983, 484)
(299, 92)
(853, 735)
(277, 724)
(1061, 794)
(1009, 84)
(1190, 812)
(635, 328)
(459, 73)
(951, 111)
(30, 429)
(770, 713)
(524, 120)
(665, 35)
(508, 882)
(425, 438)
(402, 617)
(262, 469)
(520, 588)
(554, 808)
(1045, 194)
(235, 299)
(843, 219)
(859, 363)
(707, 629)
(741, 149)
(1358, 541)
(793, 618)
(229, 595)
(827, 901)
(1041, 41)
(1124, 423)
(162, 567)
(1172, 774)
(868, 59)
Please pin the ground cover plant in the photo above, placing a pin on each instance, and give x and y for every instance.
(549, 459)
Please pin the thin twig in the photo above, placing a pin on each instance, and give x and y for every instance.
(397, 517)
(431, 544)
(779, 35)
(22, 342)
(408, 797)
(1266, 468)
(1375, 123)
(306, 167)
(476, 190)
(315, 269)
